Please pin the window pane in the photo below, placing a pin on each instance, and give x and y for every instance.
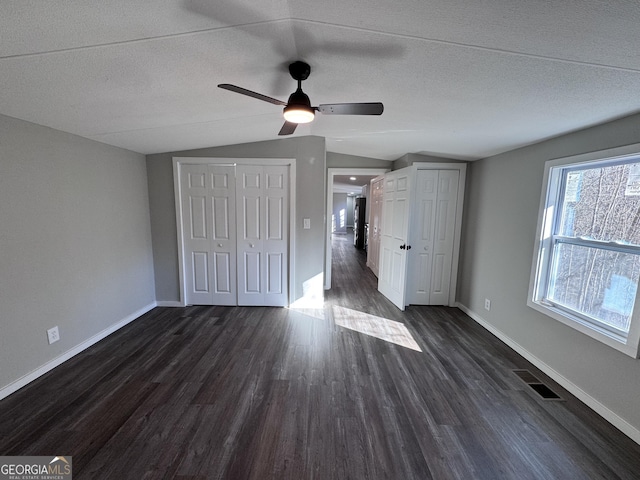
(602, 204)
(600, 284)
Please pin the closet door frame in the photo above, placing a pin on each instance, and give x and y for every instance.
(177, 164)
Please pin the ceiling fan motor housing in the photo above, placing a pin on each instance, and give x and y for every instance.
(299, 70)
(299, 98)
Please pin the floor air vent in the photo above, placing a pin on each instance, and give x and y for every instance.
(540, 388)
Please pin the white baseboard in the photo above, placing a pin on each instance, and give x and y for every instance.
(30, 377)
(169, 303)
(609, 415)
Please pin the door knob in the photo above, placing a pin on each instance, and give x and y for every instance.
(220, 245)
(251, 245)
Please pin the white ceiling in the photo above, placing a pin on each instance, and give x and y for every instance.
(458, 78)
(344, 184)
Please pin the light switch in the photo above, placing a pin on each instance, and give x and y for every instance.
(307, 223)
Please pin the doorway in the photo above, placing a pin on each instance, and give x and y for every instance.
(342, 174)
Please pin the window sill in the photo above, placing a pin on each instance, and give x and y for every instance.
(628, 345)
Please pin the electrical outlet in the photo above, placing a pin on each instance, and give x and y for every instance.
(53, 334)
(487, 304)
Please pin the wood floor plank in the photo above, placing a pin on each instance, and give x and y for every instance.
(212, 392)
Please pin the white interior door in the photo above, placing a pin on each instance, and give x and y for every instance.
(208, 197)
(262, 199)
(375, 224)
(432, 237)
(394, 236)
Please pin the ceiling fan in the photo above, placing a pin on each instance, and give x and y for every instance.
(299, 110)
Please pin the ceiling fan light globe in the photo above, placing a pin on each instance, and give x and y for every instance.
(298, 114)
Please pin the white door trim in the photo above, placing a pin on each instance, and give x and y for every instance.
(331, 172)
(179, 161)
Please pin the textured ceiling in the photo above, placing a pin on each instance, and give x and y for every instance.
(458, 78)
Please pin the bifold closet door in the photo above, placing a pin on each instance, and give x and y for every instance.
(209, 234)
(262, 202)
(432, 237)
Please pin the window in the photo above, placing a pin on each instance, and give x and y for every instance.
(587, 258)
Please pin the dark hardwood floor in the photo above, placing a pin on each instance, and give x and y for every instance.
(275, 393)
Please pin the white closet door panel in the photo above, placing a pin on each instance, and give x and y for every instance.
(250, 216)
(198, 217)
(195, 188)
(444, 236)
(249, 198)
(208, 202)
(200, 269)
(223, 243)
(196, 176)
(276, 237)
(224, 274)
(276, 180)
(421, 254)
(274, 273)
(263, 192)
(222, 219)
(252, 284)
(420, 278)
(440, 280)
(275, 219)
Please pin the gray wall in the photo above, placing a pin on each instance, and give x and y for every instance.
(340, 203)
(340, 160)
(501, 212)
(75, 242)
(411, 158)
(310, 202)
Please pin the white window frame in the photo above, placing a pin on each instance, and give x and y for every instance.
(547, 219)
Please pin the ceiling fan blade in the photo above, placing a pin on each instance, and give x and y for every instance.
(288, 128)
(375, 108)
(249, 93)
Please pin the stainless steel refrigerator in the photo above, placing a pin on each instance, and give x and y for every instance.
(359, 219)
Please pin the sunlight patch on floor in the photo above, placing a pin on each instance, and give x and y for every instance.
(378, 327)
(318, 313)
(312, 293)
